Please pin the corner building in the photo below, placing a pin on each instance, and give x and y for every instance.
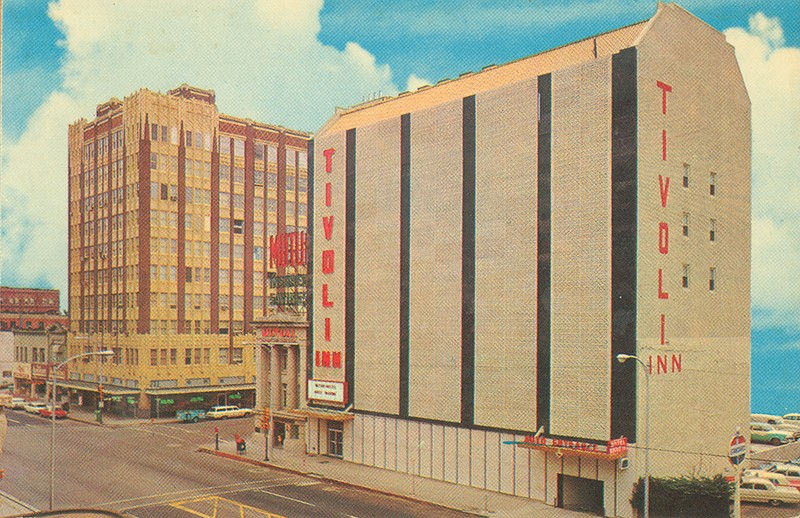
(173, 208)
(485, 247)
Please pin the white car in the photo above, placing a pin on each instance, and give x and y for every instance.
(34, 406)
(762, 490)
(779, 479)
(17, 402)
(227, 411)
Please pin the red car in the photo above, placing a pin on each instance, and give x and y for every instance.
(60, 413)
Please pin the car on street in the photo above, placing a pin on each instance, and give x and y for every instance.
(33, 407)
(18, 402)
(228, 411)
(46, 412)
(755, 489)
(765, 433)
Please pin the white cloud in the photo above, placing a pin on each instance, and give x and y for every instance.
(772, 74)
(415, 82)
(262, 58)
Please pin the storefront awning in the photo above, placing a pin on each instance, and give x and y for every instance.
(111, 390)
(321, 413)
(198, 390)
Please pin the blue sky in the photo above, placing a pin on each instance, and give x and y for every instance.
(62, 58)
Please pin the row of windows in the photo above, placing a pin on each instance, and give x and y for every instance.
(712, 227)
(712, 180)
(28, 301)
(712, 277)
(191, 356)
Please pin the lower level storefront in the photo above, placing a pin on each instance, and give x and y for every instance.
(155, 403)
(586, 477)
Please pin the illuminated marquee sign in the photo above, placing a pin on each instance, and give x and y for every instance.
(287, 250)
(612, 450)
(286, 333)
(661, 361)
(327, 358)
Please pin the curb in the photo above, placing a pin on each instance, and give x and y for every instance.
(317, 476)
(18, 502)
(94, 422)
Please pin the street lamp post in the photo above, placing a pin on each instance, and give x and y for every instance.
(53, 389)
(621, 358)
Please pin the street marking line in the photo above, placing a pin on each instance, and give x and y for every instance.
(226, 488)
(286, 497)
(217, 499)
(13, 421)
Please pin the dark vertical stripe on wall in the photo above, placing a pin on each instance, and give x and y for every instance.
(543, 247)
(623, 242)
(468, 263)
(405, 240)
(308, 367)
(350, 264)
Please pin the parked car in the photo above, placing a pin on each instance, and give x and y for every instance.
(792, 419)
(790, 471)
(777, 422)
(46, 412)
(227, 411)
(17, 403)
(776, 478)
(754, 489)
(33, 407)
(765, 433)
(190, 415)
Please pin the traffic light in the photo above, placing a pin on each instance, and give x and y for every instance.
(100, 392)
(265, 419)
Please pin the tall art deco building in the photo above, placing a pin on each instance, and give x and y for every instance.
(173, 210)
(485, 247)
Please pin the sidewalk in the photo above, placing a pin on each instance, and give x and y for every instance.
(462, 498)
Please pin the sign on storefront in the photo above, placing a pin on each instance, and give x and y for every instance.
(330, 391)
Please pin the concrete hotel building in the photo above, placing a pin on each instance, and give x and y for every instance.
(173, 207)
(485, 247)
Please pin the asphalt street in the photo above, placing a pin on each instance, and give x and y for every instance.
(153, 470)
